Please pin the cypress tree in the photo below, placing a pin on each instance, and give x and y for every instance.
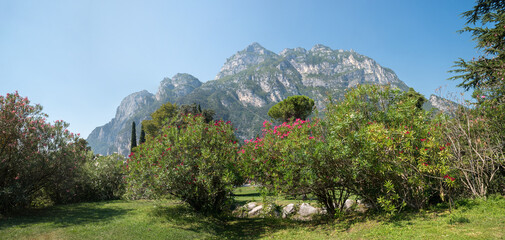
(142, 135)
(134, 137)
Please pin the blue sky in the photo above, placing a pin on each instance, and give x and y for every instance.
(79, 59)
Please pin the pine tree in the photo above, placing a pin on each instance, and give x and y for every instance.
(142, 135)
(134, 137)
(485, 73)
(291, 108)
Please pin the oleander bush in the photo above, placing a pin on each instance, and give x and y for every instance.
(35, 156)
(376, 144)
(194, 161)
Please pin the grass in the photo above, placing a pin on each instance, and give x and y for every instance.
(472, 219)
(244, 195)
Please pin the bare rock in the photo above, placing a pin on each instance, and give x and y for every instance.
(288, 210)
(256, 211)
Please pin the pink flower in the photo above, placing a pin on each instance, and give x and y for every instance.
(311, 137)
(482, 96)
(423, 139)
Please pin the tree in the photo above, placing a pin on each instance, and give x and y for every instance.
(196, 110)
(486, 72)
(133, 140)
(169, 114)
(292, 108)
(142, 135)
(477, 132)
(159, 118)
(419, 98)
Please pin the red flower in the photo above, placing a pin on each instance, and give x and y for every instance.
(423, 139)
(425, 164)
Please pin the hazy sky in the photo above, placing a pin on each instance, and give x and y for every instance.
(79, 59)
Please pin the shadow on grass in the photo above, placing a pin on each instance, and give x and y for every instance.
(243, 198)
(438, 210)
(183, 217)
(63, 215)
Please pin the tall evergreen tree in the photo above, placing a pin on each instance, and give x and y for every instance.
(486, 73)
(142, 135)
(134, 137)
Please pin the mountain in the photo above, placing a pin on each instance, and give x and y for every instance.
(248, 84)
(115, 135)
(441, 104)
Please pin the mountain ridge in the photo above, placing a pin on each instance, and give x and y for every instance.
(247, 85)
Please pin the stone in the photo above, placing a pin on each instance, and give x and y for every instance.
(288, 210)
(255, 211)
(349, 203)
(250, 206)
(306, 210)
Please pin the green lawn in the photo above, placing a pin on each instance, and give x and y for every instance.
(244, 195)
(473, 219)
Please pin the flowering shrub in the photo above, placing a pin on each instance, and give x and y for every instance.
(281, 158)
(394, 152)
(376, 144)
(35, 155)
(194, 161)
(293, 159)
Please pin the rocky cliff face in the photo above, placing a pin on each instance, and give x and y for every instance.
(253, 55)
(180, 85)
(442, 104)
(249, 83)
(115, 136)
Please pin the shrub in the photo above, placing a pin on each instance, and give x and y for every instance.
(35, 156)
(195, 161)
(102, 178)
(394, 151)
(281, 159)
(477, 145)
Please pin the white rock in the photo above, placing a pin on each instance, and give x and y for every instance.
(250, 206)
(349, 203)
(255, 211)
(307, 210)
(288, 209)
